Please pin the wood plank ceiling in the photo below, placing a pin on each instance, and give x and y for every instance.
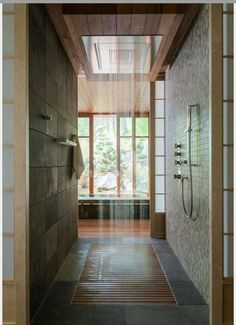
(113, 96)
(72, 21)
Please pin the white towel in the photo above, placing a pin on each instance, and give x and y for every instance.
(78, 163)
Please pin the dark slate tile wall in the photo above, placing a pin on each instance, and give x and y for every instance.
(187, 82)
(53, 191)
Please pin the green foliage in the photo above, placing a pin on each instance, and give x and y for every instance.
(141, 126)
(105, 154)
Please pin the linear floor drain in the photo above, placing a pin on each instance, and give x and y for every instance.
(122, 274)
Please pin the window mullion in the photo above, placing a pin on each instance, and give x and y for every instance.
(91, 156)
(118, 154)
(134, 153)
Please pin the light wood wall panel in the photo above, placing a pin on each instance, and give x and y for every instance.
(9, 302)
(15, 290)
(216, 164)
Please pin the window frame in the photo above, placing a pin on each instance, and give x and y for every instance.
(132, 136)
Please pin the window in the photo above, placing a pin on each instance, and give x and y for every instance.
(115, 150)
(84, 140)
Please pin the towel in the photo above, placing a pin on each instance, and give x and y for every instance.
(78, 163)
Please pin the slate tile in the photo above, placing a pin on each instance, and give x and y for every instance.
(186, 293)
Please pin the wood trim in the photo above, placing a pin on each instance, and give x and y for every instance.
(8, 234)
(91, 156)
(228, 291)
(123, 9)
(8, 101)
(152, 158)
(216, 155)
(118, 153)
(21, 164)
(134, 153)
(9, 301)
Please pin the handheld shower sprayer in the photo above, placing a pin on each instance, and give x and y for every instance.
(189, 212)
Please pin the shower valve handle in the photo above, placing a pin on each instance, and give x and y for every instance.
(177, 176)
(177, 153)
(178, 162)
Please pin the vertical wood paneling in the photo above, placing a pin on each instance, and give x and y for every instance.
(138, 24)
(124, 24)
(152, 24)
(95, 24)
(109, 24)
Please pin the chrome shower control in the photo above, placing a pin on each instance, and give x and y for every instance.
(178, 162)
(177, 145)
(177, 176)
(178, 153)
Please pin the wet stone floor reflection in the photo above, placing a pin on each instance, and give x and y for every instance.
(191, 309)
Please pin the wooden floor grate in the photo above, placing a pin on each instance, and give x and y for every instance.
(118, 274)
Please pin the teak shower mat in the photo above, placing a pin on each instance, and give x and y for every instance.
(118, 274)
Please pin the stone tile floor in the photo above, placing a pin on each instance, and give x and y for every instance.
(57, 310)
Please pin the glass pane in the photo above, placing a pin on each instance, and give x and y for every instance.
(228, 256)
(83, 182)
(8, 212)
(228, 167)
(105, 166)
(126, 126)
(228, 27)
(160, 108)
(160, 203)
(160, 89)
(228, 211)
(142, 166)
(228, 89)
(228, 7)
(160, 165)
(141, 126)
(8, 79)
(8, 167)
(159, 184)
(8, 123)
(159, 127)
(126, 167)
(83, 126)
(160, 146)
(228, 123)
(8, 35)
(8, 257)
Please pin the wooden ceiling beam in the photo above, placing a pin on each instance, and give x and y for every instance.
(55, 13)
(77, 41)
(123, 9)
(188, 21)
(164, 47)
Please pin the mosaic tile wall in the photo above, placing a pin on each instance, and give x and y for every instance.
(187, 82)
